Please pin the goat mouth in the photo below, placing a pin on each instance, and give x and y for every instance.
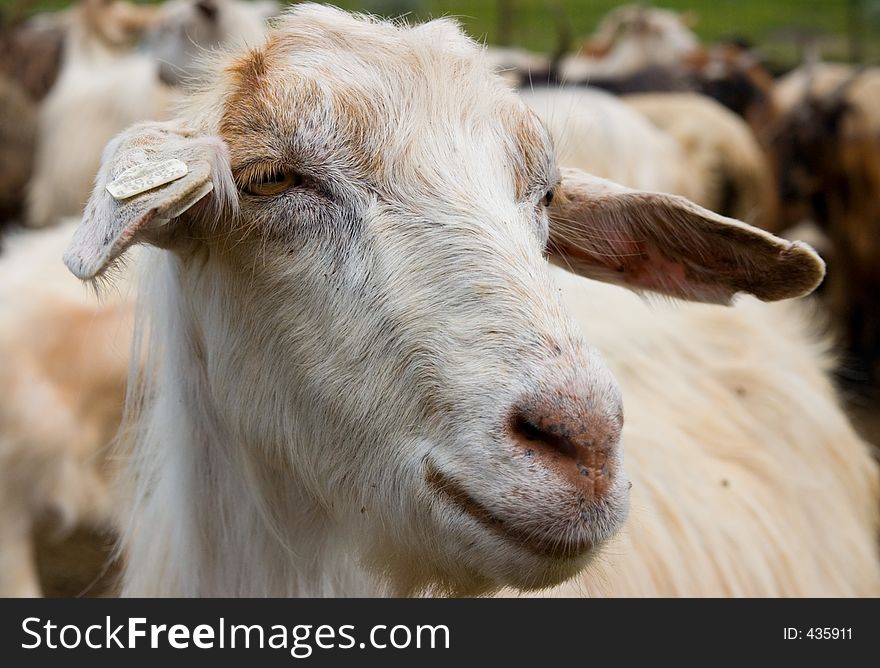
(528, 539)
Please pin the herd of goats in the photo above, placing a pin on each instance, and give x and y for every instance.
(326, 354)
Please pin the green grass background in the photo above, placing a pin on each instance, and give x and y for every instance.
(772, 24)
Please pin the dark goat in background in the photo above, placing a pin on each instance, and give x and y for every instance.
(826, 152)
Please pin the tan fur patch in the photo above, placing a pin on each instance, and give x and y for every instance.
(249, 76)
(92, 385)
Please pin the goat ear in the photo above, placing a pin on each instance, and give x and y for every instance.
(666, 244)
(111, 224)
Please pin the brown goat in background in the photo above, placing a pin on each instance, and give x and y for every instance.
(826, 151)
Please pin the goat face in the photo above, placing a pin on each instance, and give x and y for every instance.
(372, 308)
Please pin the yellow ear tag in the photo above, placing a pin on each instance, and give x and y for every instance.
(141, 178)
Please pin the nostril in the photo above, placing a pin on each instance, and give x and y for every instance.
(549, 439)
(577, 443)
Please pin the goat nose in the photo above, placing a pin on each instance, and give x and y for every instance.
(572, 438)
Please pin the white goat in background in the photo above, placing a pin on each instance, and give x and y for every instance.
(63, 362)
(628, 39)
(189, 29)
(104, 87)
(678, 143)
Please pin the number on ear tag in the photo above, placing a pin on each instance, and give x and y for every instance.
(141, 178)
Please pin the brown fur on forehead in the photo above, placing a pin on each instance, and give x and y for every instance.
(342, 50)
(326, 70)
(273, 119)
(255, 107)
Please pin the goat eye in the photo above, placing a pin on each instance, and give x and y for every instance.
(548, 197)
(273, 183)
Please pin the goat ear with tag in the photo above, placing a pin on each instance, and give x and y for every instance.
(150, 174)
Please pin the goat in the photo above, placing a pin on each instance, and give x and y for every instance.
(187, 29)
(65, 357)
(410, 340)
(683, 144)
(628, 39)
(102, 90)
(18, 116)
(811, 80)
(825, 150)
(734, 75)
(599, 134)
(729, 73)
(30, 56)
(722, 159)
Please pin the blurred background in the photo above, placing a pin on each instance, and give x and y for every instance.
(845, 29)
